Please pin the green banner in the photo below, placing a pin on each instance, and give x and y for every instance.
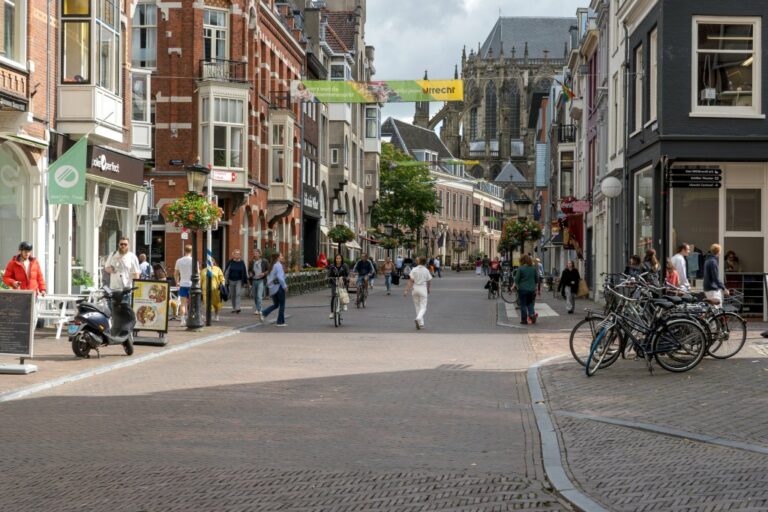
(10, 177)
(391, 91)
(66, 176)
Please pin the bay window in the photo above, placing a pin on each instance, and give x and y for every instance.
(371, 122)
(726, 66)
(144, 41)
(281, 151)
(108, 33)
(223, 132)
(76, 61)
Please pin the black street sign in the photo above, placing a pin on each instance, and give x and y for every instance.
(694, 179)
(695, 184)
(694, 172)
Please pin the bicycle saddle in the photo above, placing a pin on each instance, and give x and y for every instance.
(674, 299)
(662, 303)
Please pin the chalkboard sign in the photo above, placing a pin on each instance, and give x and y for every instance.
(17, 322)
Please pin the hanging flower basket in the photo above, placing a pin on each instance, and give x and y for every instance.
(193, 211)
(521, 231)
(341, 234)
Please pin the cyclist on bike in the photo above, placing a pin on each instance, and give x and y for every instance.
(494, 274)
(364, 269)
(335, 270)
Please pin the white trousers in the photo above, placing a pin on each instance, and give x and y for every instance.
(419, 294)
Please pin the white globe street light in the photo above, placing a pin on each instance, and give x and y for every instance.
(611, 187)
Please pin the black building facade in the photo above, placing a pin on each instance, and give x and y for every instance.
(697, 158)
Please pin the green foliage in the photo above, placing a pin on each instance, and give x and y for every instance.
(81, 278)
(517, 231)
(193, 211)
(406, 193)
(341, 234)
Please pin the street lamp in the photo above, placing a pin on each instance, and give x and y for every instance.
(197, 176)
(339, 214)
(522, 203)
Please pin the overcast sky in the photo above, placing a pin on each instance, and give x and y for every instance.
(413, 35)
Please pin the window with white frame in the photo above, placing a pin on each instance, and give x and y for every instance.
(371, 122)
(108, 45)
(144, 40)
(726, 65)
(14, 29)
(639, 88)
(334, 156)
(215, 35)
(223, 132)
(281, 146)
(141, 108)
(653, 86)
(339, 72)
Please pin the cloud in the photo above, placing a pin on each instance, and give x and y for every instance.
(413, 35)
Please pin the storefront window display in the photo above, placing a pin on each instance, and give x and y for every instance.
(695, 217)
(14, 207)
(643, 211)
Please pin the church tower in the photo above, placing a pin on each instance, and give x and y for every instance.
(422, 111)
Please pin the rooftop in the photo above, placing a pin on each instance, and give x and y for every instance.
(540, 33)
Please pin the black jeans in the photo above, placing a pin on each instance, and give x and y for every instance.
(527, 299)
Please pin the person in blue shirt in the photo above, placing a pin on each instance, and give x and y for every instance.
(714, 288)
(363, 268)
(277, 290)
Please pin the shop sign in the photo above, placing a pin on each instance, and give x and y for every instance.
(311, 201)
(566, 204)
(581, 206)
(16, 326)
(115, 166)
(692, 177)
(227, 176)
(175, 162)
(150, 304)
(66, 183)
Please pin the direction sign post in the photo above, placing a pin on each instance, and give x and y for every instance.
(709, 177)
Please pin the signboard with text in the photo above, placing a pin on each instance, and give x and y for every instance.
(311, 201)
(17, 322)
(693, 177)
(150, 304)
(390, 91)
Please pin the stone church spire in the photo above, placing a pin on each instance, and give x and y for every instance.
(422, 111)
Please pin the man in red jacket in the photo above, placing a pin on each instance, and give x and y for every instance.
(23, 271)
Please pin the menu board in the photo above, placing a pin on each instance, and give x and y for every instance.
(17, 330)
(150, 304)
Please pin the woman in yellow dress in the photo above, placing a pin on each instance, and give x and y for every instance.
(217, 279)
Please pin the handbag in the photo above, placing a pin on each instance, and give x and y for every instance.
(583, 289)
(223, 292)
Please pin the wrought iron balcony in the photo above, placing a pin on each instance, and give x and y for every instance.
(223, 70)
(566, 133)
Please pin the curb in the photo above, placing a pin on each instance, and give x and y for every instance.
(44, 386)
(550, 445)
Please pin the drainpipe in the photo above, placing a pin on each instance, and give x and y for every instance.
(49, 267)
(629, 204)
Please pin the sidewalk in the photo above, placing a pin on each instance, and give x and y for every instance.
(54, 358)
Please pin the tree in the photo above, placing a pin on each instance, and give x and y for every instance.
(406, 193)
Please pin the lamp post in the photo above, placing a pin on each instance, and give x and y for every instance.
(522, 203)
(196, 179)
(339, 214)
(388, 232)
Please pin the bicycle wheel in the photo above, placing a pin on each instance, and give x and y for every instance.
(679, 345)
(336, 312)
(358, 297)
(729, 333)
(509, 294)
(581, 338)
(599, 350)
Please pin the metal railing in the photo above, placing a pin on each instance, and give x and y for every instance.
(566, 133)
(223, 70)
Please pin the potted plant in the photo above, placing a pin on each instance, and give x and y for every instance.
(193, 211)
(81, 281)
(341, 234)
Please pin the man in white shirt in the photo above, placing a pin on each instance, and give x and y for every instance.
(419, 283)
(122, 266)
(183, 273)
(679, 261)
(437, 266)
(146, 268)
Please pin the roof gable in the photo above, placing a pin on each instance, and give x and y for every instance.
(540, 34)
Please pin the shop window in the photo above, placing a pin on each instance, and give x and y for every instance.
(14, 208)
(144, 41)
(695, 215)
(726, 66)
(643, 211)
(215, 35)
(748, 253)
(742, 209)
(282, 152)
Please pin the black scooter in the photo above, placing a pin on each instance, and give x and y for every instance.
(96, 326)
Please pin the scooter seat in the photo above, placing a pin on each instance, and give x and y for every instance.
(98, 308)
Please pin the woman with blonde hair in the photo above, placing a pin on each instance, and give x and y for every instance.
(217, 279)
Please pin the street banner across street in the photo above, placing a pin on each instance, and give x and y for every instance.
(66, 176)
(390, 91)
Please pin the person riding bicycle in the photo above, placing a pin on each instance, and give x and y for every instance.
(335, 270)
(494, 274)
(364, 269)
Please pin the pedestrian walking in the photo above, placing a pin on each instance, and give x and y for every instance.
(122, 266)
(486, 264)
(183, 272)
(714, 288)
(438, 264)
(478, 266)
(539, 276)
(419, 286)
(277, 290)
(23, 271)
(680, 261)
(236, 275)
(525, 282)
(217, 279)
(259, 270)
(399, 265)
(569, 285)
(388, 269)
(145, 267)
(335, 270)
